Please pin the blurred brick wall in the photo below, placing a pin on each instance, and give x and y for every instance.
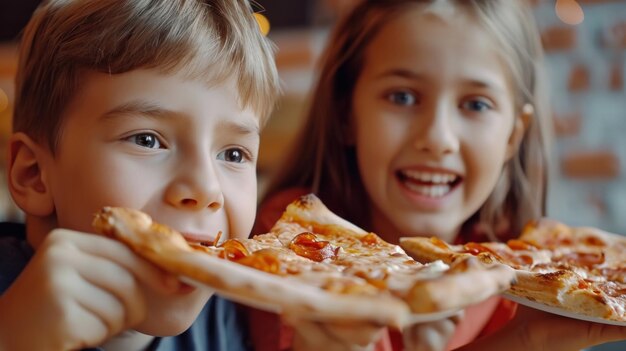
(586, 65)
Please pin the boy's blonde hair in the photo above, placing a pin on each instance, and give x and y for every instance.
(210, 40)
(325, 162)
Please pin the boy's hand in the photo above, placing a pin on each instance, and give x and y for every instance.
(78, 291)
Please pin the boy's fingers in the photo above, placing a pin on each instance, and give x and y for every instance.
(112, 250)
(104, 306)
(121, 287)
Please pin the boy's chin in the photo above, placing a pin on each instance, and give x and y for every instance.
(172, 317)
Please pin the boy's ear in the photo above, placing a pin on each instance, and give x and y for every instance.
(26, 176)
(520, 126)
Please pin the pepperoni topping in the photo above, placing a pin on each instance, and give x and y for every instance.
(517, 245)
(306, 245)
(476, 248)
(594, 241)
(233, 250)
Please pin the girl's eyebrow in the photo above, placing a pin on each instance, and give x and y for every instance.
(408, 74)
(400, 72)
(488, 85)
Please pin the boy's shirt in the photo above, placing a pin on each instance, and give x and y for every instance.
(219, 326)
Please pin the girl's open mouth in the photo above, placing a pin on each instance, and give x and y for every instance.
(429, 184)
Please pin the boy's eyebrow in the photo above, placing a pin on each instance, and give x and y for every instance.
(138, 107)
(239, 128)
(152, 110)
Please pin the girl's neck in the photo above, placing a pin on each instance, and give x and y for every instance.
(386, 230)
(380, 225)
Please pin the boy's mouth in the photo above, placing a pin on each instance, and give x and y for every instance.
(433, 184)
(202, 239)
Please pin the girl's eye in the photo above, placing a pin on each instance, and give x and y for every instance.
(235, 155)
(476, 105)
(403, 98)
(147, 140)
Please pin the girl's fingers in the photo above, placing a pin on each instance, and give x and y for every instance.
(432, 336)
(329, 336)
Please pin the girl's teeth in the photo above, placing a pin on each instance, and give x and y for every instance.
(434, 191)
(429, 177)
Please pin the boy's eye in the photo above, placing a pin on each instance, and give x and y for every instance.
(476, 105)
(232, 155)
(147, 140)
(403, 98)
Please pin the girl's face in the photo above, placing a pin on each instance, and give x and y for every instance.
(433, 122)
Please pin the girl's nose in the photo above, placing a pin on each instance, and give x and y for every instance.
(436, 134)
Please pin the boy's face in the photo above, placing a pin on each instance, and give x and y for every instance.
(177, 149)
(433, 121)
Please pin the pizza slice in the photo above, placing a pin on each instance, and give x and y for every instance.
(578, 270)
(313, 264)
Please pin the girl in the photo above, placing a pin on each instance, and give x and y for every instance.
(429, 119)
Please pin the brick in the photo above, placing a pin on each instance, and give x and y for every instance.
(301, 57)
(614, 36)
(295, 50)
(616, 80)
(598, 202)
(579, 79)
(598, 164)
(567, 124)
(559, 38)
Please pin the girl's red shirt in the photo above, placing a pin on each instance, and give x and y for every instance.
(268, 333)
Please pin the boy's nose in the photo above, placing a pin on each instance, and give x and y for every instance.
(196, 190)
(436, 134)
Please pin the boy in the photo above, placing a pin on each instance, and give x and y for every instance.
(154, 105)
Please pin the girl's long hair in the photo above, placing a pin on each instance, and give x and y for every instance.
(323, 161)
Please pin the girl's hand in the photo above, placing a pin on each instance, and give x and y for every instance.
(547, 331)
(335, 336)
(432, 336)
(77, 291)
(541, 331)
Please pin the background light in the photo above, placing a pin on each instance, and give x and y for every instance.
(569, 11)
(264, 23)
